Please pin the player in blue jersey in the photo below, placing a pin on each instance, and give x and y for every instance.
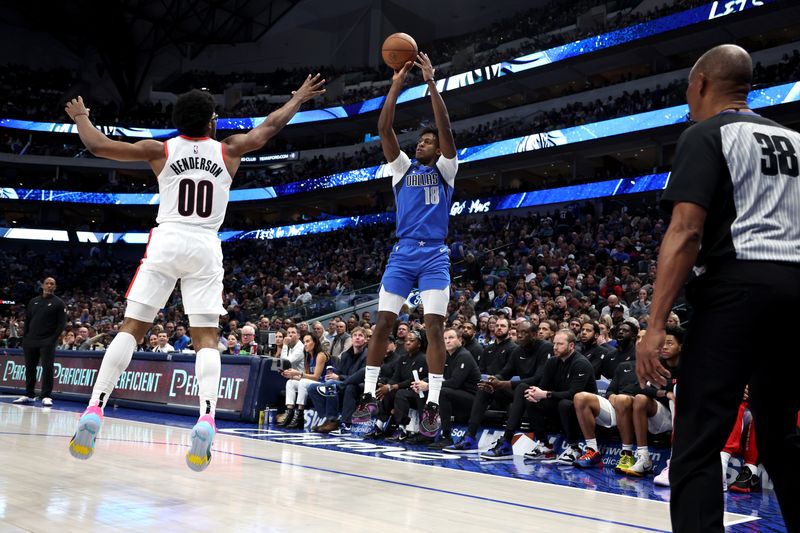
(423, 191)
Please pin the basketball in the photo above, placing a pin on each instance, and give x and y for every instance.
(399, 48)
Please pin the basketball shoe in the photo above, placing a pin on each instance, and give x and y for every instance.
(82, 444)
(430, 422)
(366, 409)
(199, 455)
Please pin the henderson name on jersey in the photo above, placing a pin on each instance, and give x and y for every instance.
(194, 184)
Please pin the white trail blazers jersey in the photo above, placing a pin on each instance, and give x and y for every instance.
(194, 185)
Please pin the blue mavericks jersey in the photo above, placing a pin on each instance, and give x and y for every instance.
(423, 196)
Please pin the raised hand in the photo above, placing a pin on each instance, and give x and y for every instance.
(425, 65)
(76, 107)
(311, 88)
(400, 75)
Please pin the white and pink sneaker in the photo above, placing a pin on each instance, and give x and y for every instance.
(82, 444)
(199, 455)
(662, 479)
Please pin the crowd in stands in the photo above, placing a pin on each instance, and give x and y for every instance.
(40, 95)
(303, 277)
(575, 114)
(531, 292)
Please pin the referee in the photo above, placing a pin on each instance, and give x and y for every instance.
(45, 318)
(734, 194)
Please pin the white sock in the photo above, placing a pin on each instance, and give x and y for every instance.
(434, 387)
(592, 443)
(207, 368)
(115, 361)
(627, 447)
(371, 379)
(643, 451)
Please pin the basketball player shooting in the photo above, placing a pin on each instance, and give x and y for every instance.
(194, 173)
(423, 193)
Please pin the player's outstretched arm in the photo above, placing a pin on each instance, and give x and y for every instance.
(238, 145)
(446, 142)
(101, 146)
(391, 148)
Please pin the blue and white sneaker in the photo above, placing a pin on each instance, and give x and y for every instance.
(467, 444)
(501, 451)
(199, 455)
(82, 444)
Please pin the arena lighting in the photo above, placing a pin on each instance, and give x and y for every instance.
(523, 63)
(572, 193)
(758, 99)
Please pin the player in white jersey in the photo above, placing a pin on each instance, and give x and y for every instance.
(194, 178)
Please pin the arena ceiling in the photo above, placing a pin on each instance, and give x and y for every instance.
(127, 35)
(192, 25)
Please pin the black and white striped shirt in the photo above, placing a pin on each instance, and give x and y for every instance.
(743, 169)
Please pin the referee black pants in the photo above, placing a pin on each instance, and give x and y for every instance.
(733, 340)
(34, 355)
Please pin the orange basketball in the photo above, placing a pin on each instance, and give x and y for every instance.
(398, 48)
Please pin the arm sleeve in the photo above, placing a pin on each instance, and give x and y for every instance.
(448, 169)
(546, 375)
(613, 387)
(597, 365)
(296, 354)
(581, 374)
(62, 322)
(421, 366)
(356, 377)
(484, 363)
(396, 374)
(399, 167)
(27, 324)
(697, 168)
(650, 392)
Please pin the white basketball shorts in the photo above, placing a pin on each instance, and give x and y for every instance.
(178, 251)
(661, 422)
(607, 417)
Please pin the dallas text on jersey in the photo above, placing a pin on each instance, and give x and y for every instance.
(422, 180)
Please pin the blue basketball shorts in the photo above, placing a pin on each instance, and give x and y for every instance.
(412, 264)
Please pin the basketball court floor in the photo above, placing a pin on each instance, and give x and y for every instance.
(263, 479)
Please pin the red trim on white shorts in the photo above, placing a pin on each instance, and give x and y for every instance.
(149, 236)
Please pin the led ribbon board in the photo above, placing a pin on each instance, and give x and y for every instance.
(523, 63)
(758, 99)
(573, 193)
